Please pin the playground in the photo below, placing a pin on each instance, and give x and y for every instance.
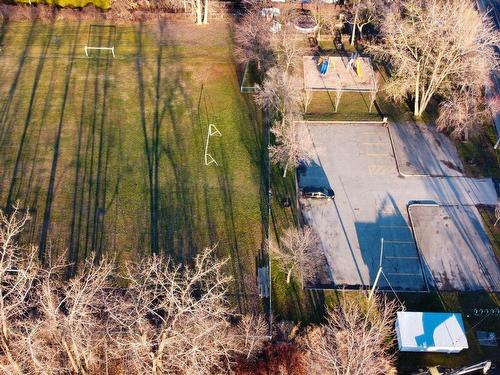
(107, 147)
(340, 74)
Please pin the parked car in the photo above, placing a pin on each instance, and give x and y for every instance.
(317, 192)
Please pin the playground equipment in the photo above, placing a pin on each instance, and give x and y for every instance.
(323, 64)
(339, 77)
(355, 63)
(270, 12)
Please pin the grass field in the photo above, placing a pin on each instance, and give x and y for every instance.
(108, 154)
(352, 107)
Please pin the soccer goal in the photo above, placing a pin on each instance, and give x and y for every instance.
(212, 132)
(101, 38)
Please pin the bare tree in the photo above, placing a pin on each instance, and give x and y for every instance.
(298, 252)
(253, 40)
(280, 94)
(355, 339)
(175, 319)
(291, 147)
(251, 333)
(306, 99)
(465, 111)
(18, 273)
(288, 48)
(199, 8)
(432, 45)
(69, 331)
(168, 319)
(361, 13)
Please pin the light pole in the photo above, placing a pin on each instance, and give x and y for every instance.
(379, 272)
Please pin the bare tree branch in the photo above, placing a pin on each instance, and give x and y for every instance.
(298, 252)
(355, 339)
(292, 146)
(434, 46)
(253, 40)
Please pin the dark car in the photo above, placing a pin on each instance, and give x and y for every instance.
(317, 192)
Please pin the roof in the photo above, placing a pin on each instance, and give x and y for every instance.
(430, 331)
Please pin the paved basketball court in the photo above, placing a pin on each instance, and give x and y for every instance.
(357, 162)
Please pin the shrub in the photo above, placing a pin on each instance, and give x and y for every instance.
(102, 4)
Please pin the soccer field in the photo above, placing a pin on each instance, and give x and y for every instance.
(108, 153)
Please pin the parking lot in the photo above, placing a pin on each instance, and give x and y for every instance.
(439, 231)
(371, 200)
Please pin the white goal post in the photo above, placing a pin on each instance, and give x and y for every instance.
(101, 37)
(87, 48)
(212, 132)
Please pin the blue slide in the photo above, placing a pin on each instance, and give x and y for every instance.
(324, 67)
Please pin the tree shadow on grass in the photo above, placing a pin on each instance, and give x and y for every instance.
(18, 172)
(8, 116)
(55, 158)
(225, 180)
(172, 208)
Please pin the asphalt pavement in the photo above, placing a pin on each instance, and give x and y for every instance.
(371, 201)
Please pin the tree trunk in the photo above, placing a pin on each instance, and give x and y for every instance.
(360, 28)
(416, 110)
(73, 361)
(199, 12)
(205, 10)
(353, 34)
(288, 276)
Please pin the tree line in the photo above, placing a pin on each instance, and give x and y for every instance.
(158, 317)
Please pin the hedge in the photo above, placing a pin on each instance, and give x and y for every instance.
(103, 4)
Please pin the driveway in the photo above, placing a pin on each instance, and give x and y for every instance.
(357, 161)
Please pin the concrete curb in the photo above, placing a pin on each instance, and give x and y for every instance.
(398, 164)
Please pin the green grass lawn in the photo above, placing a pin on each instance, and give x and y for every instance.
(291, 301)
(352, 107)
(493, 232)
(108, 154)
(479, 157)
